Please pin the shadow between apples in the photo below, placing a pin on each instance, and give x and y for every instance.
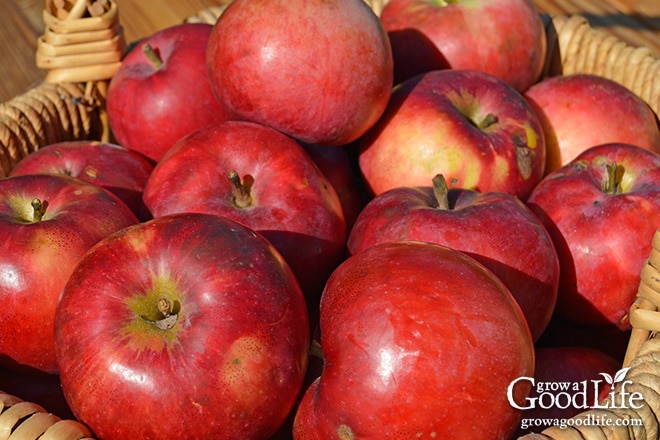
(43, 389)
(414, 53)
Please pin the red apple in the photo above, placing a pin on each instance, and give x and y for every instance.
(601, 210)
(505, 38)
(580, 111)
(419, 341)
(324, 80)
(496, 229)
(189, 326)
(262, 179)
(162, 91)
(470, 126)
(121, 171)
(567, 380)
(47, 223)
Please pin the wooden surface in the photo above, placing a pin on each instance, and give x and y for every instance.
(634, 21)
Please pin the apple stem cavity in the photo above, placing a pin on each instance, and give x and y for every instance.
(239, 190)
(486, 122)
(166, 310)
(441, 191)
(612, 179)
(38, 210)
(152, 55)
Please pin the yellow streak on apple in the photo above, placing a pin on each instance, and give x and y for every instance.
(532, 137)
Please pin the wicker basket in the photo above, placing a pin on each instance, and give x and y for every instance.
(69, 105)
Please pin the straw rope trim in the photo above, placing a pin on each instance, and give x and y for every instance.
(20, 420)
(45, 114)
(79, 47)
(207, 15)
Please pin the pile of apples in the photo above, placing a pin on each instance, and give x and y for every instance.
(321, 223)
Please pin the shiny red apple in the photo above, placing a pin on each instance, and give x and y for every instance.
(472, 127)
(601, 210)
(189, 326)
(505, 38)
(162, 91)
(320, 72)
(580, 111)
(121, 171)
(496, 229)
(47, 223)
(419, 341)
(262, 179)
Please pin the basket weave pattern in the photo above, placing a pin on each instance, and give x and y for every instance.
(69, 106)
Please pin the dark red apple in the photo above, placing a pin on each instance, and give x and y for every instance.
(262, 179)
(472, 127)
(419, 341)
(162, 91)
(189, 326)
(121, 171)
(601, 210)
(320, 72)
(581, 110)
(496, 229)
(47, 223)
(505, 38)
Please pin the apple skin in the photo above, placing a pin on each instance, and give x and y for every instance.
(602, 238)
(292, 203)
(580, 111)
(121, 171)
(149, 107)
(431, 126)
(467, 34)
(573, 365)
(417, 338)
(36, 257)
(496, 229)
(324, 81)
(232, 364)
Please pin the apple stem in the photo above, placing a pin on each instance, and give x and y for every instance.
(240, 194)
(489, 120)
(440, 191)
(165, 308)
(152, 55)
(612, 179)
(315, 349)
(38, 210)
